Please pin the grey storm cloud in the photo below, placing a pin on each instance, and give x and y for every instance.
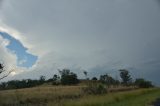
(96, 35)
(1, 1)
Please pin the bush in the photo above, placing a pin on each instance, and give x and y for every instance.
(108, 80)
(95, 89)
(94, 79)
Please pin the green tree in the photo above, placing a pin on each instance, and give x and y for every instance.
(107, 79)
(67, 77)
(125, 76)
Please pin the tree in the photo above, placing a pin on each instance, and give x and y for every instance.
(2, 70)
(67, 77)
(142, 83)
(1, 67)
(86, 74)
(56, 79)
(125, 76)
(107, 80)
(42, 79)
(94, 79)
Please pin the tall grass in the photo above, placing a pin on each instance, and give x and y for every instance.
(74, 96)
(141, 97)
(39, 95)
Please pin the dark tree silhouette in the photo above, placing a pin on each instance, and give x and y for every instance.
(86, 74)
(107, 79)
(142, 83)
(67, 77)
(55, 79)
(42, 79)
(125, 76)
(1, 66)
(2, 70)
(94, 79)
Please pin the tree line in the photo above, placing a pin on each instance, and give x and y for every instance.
(66, 77)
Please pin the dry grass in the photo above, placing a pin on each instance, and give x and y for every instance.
(39, 95)
(63, 95)
(139, 97)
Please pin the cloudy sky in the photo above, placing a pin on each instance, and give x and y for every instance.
(37, 37)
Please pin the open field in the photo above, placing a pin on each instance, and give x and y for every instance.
(39, 95)
(73, 96)
(140, 97)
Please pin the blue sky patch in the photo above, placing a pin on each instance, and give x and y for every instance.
(24, 59)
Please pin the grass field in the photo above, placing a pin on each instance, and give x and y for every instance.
(73, 96)
(140, 97)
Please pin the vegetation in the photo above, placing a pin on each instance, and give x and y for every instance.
(108, 80)
(94, 79)
(17, 84)
(95, 88)
(68, 78)
(105, 91)
(2, 70)
(86, 74)
(142, 83)
(125, 76)
(39, 96)
(55, 80)
(140, 97)
(74, 96)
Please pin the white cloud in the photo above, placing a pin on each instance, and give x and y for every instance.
(9, 59)
(6, 57)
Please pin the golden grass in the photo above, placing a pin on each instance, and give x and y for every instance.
(65, 96)
(39, 95)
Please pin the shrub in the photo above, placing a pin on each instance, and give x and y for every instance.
(94, 79)
(95, 89)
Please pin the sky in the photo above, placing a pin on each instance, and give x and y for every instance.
(24, 59)
(38, 37)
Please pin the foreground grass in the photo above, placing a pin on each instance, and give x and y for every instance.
(39, 96)
(73, 96)
(142, 97)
